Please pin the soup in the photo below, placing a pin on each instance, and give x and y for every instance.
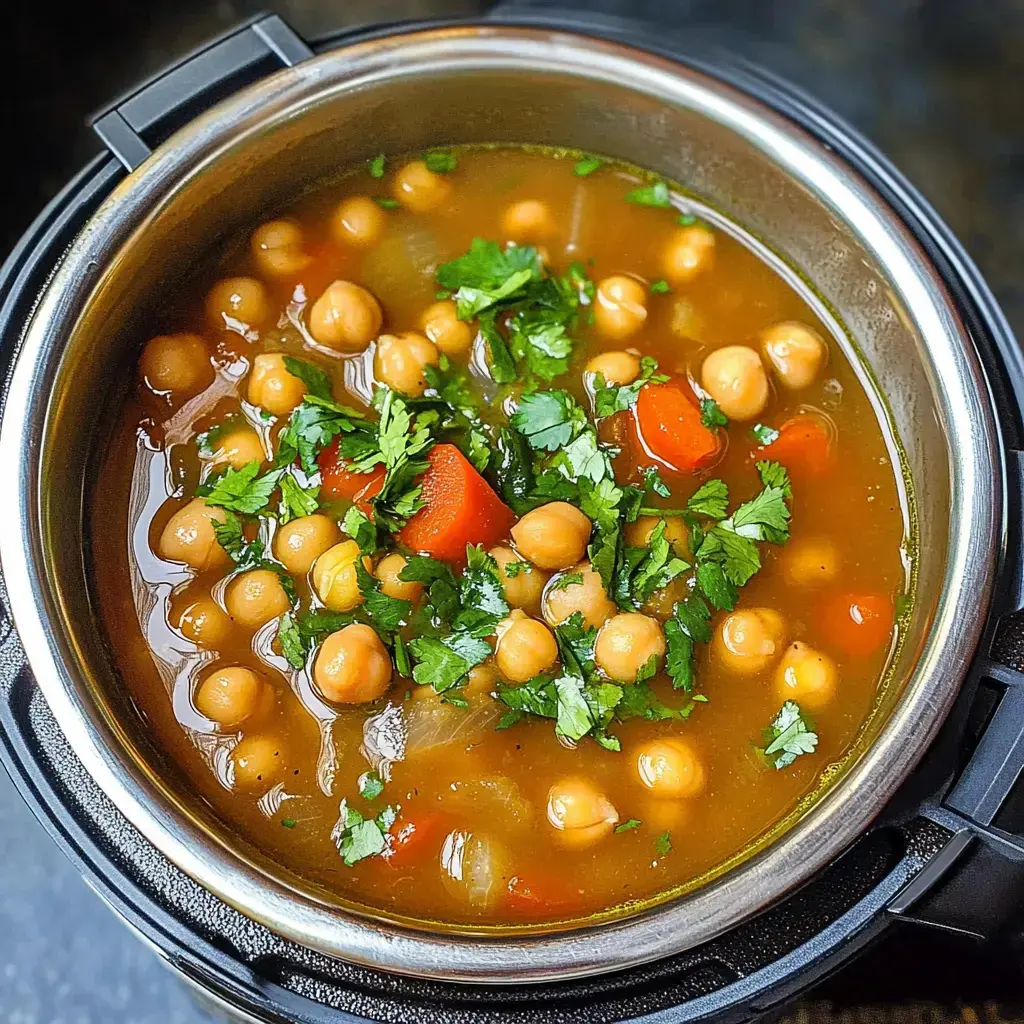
(491, 539)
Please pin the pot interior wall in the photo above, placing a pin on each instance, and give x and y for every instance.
(391, 108)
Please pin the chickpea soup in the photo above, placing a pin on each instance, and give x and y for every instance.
(491, 539)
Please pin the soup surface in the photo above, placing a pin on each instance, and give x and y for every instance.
(489, 539)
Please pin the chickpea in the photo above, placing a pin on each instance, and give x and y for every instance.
(352, 666)
(400, 360)
(553, 536)
(443, 327)
(257, 760)
(228, 696)
(626, 643)
(526, 647)
(528, 220)
(335, 578)
(734, 377)
(358, 222)
(205, 623)
(176, 365)
(690, 251)
(419, 189)
(670, 768)
(277, 246)
(811, 561)
(189, 536)
(298, 544)
(238, 298)
(620, 307)
(579, 812)
(255, 597)
(638, 533)
(749, 640)
(524, 584)
(796, 353)
(388, 571)
(272, 387)
(345, 318)
(662, 603)
(238, 448)
(615, 368)
(588, 597)
(806, 676)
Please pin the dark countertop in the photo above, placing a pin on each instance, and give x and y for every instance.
(938, 85)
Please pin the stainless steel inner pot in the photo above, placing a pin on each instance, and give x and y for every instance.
(464, 85)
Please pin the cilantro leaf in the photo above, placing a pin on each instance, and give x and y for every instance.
(487, 274)
(359, 527)
(244, 490)
(789, 736)
(717, 587)
(292, 645)
(314, 425)
(387, 613)
(548, 419)
(587, 166)
(628, 826)
(371, 785)
(299, 635)
(650, 195)
(534, 697)
(657, 568)
(513, 467)
(441, 585)
(663, 844)
(541, 342)
(774, 475)
(500, 365)
(689, 625)
(317, 382)
(764, 435)
(440, 161)
(566, 580)
(386, 202)
(653, 482)
(610, 399)
(576, 642)
(711, 499)
(443, 662)
(639, 701)
(481, 594)
(377, 166)
(711, 415)
(660, 287)
(357, 837)
(297, 501)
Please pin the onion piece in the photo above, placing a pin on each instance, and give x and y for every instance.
(475, 868)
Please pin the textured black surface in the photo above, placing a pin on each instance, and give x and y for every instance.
(937, 85)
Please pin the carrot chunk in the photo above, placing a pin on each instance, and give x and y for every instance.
(459, 509)
(338, 481)
(857, 624)
(539, 895)
(668, 426)
(805, 446)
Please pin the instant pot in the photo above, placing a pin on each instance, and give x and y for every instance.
(922, 827)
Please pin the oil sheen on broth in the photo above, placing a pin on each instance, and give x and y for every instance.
(626, 337)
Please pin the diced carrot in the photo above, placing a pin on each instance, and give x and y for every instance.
(459, 509)
(668, 426)
(857, 624)
(805, 445)
(537, 896)
(338, 481)
(415, 840)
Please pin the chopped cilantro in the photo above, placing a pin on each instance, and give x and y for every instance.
(663, 844)
(576, 643)
(488, 274)
(653, 482)
(789, 736)
(314, 425)
(377, 166)
(441, 586)
(711, 499)
(764, 435)
(317, 382)
(660, 287)
(289, 822)
(388, 613)
(640, 701)
(566, 580)
(371, 785)
(440, 161)
(299, 635)
(402, 662)
(587, 166)
(628, 826)
(359, 527)
(610, 399)
(686, 219)
(357, 837)
(386, 202)
(711, 415)
(445, 662)
(244, 490)
(548, 419)
(656, 569)
(650, 195)
(297, 501)
(514, 569)
(481, 594)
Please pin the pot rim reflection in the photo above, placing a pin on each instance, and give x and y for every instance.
(976, 484)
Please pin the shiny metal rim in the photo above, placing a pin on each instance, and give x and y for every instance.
(841, 815)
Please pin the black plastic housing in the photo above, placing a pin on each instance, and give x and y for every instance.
(948, 836)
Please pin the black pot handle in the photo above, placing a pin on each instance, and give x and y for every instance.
(150, 114)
